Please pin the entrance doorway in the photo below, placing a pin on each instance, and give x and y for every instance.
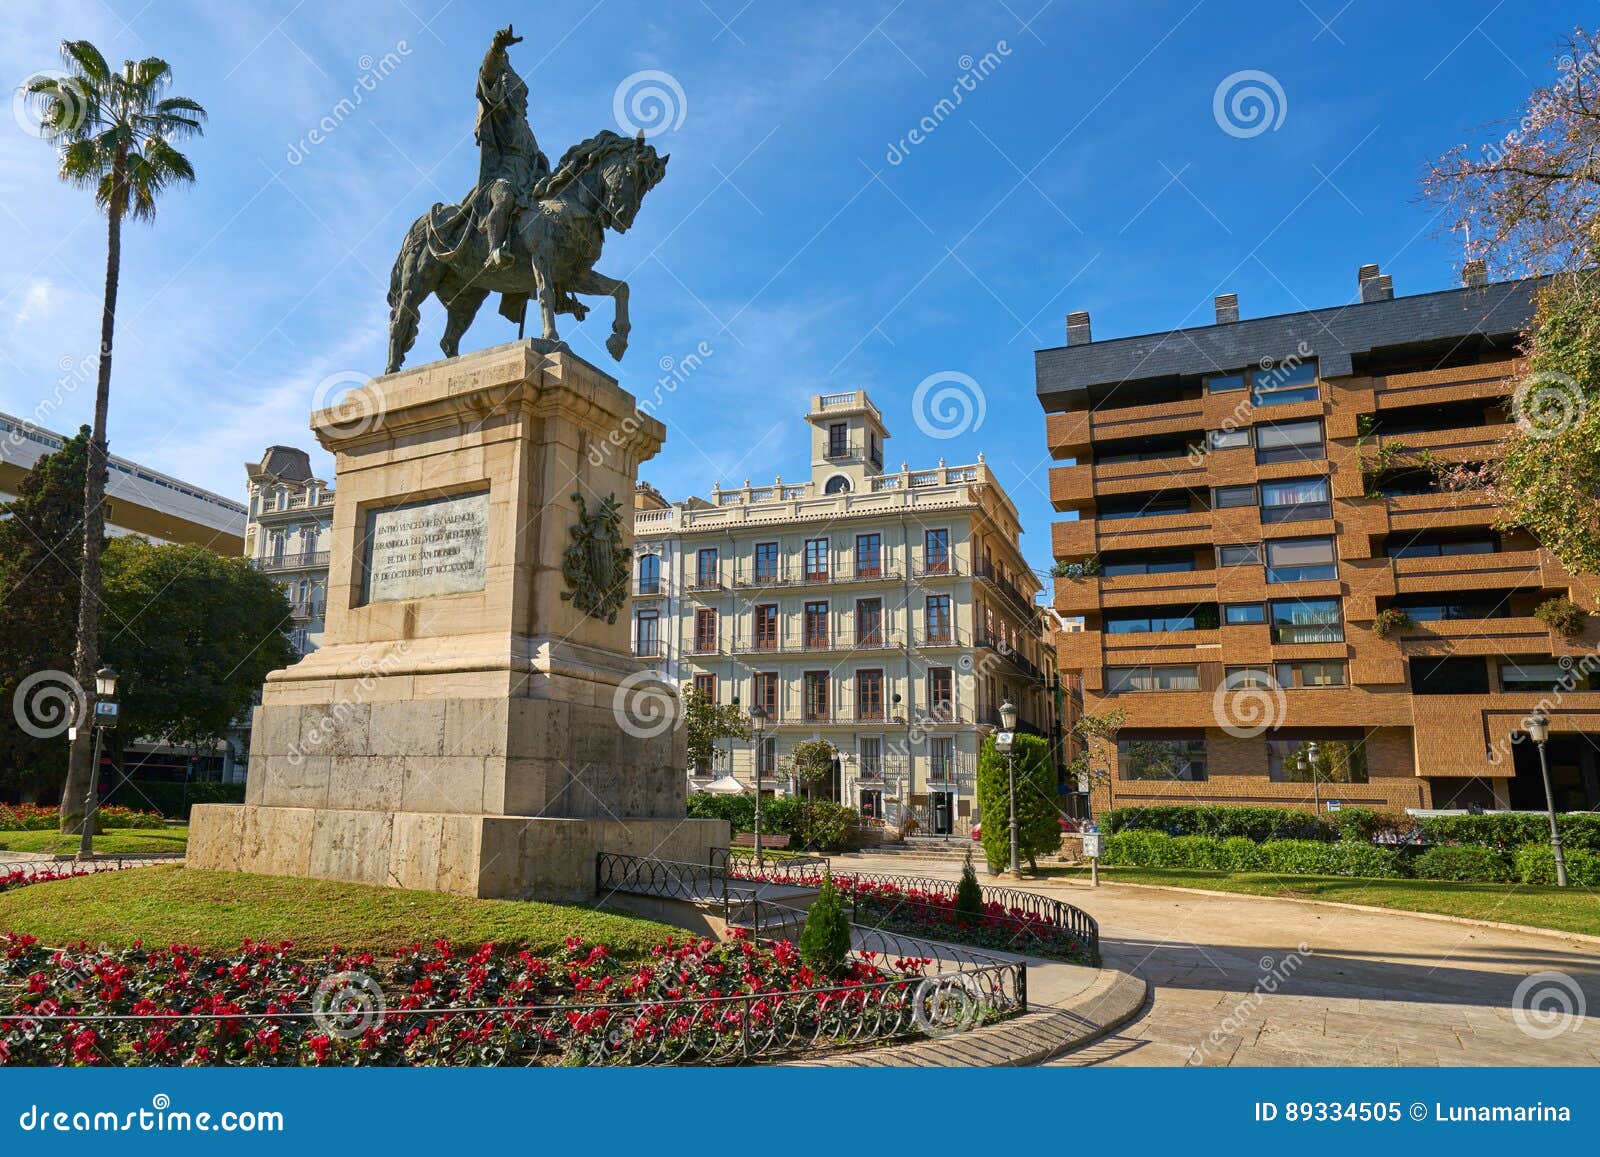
(1574, 774)
(944, 809)
(871, 803)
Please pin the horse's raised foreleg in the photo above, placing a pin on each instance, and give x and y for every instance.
(599, 285)
(547, 304)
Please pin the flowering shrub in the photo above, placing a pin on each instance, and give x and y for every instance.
(28, 817)
(21, 876)
(435, 1005)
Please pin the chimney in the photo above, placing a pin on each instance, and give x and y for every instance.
(1227, 307)
(1078, 328)
(1375, 286)
(1475, 274)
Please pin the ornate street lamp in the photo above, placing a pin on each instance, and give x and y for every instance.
(1313, 753)
(1538, 725)
(1005, 742)
(105, 716)
(758, 724)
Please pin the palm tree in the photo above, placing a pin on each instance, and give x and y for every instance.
(114, 131)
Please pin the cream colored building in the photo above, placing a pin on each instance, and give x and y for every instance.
(890, 613)
(287, 536)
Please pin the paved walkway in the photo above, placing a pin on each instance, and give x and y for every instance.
(1250, 981)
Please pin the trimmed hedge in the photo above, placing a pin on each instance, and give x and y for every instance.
(1536, 864)
(1509, 830)
(1223, 821)
(1466, 862)
(1151, 849)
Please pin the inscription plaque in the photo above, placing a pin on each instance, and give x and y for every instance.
(435, 547)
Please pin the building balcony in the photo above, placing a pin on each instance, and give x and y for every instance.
(1438, 387)
(1073, 538)
(1508, 636)
(800, 644)
(992, 578)
(1440, 511)
(1192, 528)
(649, 649)
(938, 640)
(800, 577)
(1498, 571)
(1009, 653)
(1067, 434)
(1456, 444)
(312, 560)
(1108, 424)
(704, 584)
(838, 717)
(1131, 590)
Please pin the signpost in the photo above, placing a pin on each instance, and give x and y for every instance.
(1093, 851)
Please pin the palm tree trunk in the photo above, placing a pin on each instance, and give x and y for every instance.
(75, 796)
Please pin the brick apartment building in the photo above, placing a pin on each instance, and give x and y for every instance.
(1245, 498)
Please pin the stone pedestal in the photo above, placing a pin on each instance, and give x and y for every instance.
(462, 729)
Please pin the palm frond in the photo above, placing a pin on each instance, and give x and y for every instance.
(147, 79)
(168, 162)
(83, 58)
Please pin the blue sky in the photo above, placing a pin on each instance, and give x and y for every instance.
(1085, 169)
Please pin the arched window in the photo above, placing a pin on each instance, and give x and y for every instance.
(838, 484)
(649, 574)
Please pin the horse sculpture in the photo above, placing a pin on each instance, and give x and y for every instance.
(552, 248)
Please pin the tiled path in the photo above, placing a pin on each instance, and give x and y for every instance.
(1234, 986)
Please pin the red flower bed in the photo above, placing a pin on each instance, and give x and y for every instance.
(23, 876)
(29, 817)
(438, 1004)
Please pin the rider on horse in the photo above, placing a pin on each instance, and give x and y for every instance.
(511, 160)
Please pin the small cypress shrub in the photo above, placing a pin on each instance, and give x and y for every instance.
(969, 895)
(825, 941)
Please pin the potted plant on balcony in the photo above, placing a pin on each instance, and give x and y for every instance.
(1085, 568)
(1562, 615)
(1386, 622)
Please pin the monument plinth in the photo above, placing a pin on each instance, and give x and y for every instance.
(462, 727)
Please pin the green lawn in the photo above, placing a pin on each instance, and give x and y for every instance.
(1566, 909)
(112, 841)
(216, 910)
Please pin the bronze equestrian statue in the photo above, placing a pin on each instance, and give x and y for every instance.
(525, 231)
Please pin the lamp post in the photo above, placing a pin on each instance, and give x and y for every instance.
(1313, 752)
(1005, 741)
(105, 715)
(1538, 725)
(758, 724)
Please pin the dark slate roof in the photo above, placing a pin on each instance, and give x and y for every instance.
(1334, 336)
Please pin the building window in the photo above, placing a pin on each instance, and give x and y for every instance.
(869, 695)
(1449, 676)
(1225, 497)
(869, 555)
(706, 685)
(765, 627)
(1223, 383)
(767, 756)
(1338, 760)
(1158, 757)
(1152, 562)
(1284, 384)
(1229, 439)
(1152, 678)
(875, 448)
(941, 693)
(1543, 675)
(869, 751)
(936, 552)
(705, 567)
(816, 698)
(838, 440)
(816, 626)
(1439, 610)
(937, 619)
(1307, 621)
(816, 560)
(1241, 677)
(1200, 618)
(705, 630)
(1419, 546)
(647, 633)
(1241, 614)
(1244, 554)
(764, 692)
(838, 484)
(1295, 501)
(1307, 673)
(766, 562)
(1289, 441)
(869, 622)
(1293, 560)
(1158, 507)
(649, 574)
(941, 759)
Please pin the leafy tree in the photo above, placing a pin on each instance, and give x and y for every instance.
(114, 133)
(191, 635)
(1096, 760)
(811, 762)
(969, 894)
(41, 551)
(825, 940)
(706, 722)
(1037, 812)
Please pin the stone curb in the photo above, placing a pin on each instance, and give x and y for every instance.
(1110, 1002)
